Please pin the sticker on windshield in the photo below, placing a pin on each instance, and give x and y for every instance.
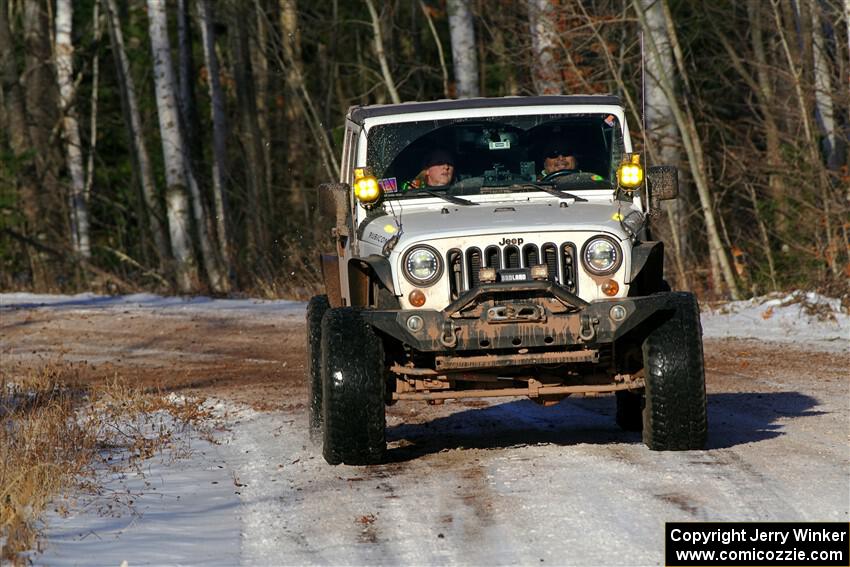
(504, 145)
(609, 120)
(388, 184)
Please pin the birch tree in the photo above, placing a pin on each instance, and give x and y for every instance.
(64, 57)
(721, 267)
(217, 112)
(378, 42)
(462, 31)
(825, 111)
(133, 119)
(178, 166)
(662, 137)
(544, 68)
(176, 196)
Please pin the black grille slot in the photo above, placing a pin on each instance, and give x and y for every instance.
(493, 257)
(550, 258)
(512, 257)
(454, 260)
(464, 266)
(530, 255)
(473, 264)
(568, 270)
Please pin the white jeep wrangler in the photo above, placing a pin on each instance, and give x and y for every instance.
(509, 279)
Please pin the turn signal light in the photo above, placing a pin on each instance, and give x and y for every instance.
(610, 288)
(416, 298)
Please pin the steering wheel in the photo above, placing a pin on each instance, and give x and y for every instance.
(560, 173)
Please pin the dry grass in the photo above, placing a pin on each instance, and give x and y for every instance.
(56, 433)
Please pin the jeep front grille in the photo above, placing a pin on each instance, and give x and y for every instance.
(464, 265)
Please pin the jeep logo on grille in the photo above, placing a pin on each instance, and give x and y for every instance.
(507, 240)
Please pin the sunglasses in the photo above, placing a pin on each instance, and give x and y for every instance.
(558, 153)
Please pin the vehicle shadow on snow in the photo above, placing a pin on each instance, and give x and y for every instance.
(734, 419)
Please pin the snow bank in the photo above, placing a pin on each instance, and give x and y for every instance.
(799, 317)
(151, 302)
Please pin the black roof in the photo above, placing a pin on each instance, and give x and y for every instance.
(360, 113)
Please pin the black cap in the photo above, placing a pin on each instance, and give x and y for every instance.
(557, 147)
(438, 157)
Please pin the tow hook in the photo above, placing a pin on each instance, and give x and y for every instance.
(587, 328)
(448, 338)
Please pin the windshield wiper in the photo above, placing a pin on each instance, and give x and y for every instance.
(449, 198)
(547, 188)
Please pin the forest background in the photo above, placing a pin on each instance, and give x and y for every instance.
(176, 146)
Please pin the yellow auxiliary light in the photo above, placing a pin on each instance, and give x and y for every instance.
(366, 187)
(630, 172)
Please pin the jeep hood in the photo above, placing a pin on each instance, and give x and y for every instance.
(505, 218)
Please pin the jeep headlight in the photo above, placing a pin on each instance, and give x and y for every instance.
(422, 265)
(601, 256)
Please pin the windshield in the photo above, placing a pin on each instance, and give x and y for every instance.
(492, 155)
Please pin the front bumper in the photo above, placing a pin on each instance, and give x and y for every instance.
(526, 324)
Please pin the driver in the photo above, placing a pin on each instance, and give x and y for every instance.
(438, 169)
(558, 156)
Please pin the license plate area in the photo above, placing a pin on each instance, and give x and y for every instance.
(516, 313)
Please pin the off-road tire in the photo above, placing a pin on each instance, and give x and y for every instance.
(316, 309)
(629, 410)
(674, 415)
(353, 391)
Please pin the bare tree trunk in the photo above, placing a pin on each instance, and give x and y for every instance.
(291, 43)
(462, 31)
(663, 141)
(186, 64)
(177, 198)
(295, 80)
(26, 180)
(260, 65)
(381, 54)
(439, 44)
(824, 110)
(95, 80)
(64, 50)
(765, 94)
(810, 143)
(134, 123)
(219, 121)
(42, 118)
(252, 141)
(721, 268)
(544, 68)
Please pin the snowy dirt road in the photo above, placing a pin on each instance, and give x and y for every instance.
(468, 482)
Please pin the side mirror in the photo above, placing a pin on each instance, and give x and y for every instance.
(335, 202)
(663, 182)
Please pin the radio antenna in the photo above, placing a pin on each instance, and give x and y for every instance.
(643, 90)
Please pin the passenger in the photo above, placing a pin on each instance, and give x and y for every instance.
(438, 170)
